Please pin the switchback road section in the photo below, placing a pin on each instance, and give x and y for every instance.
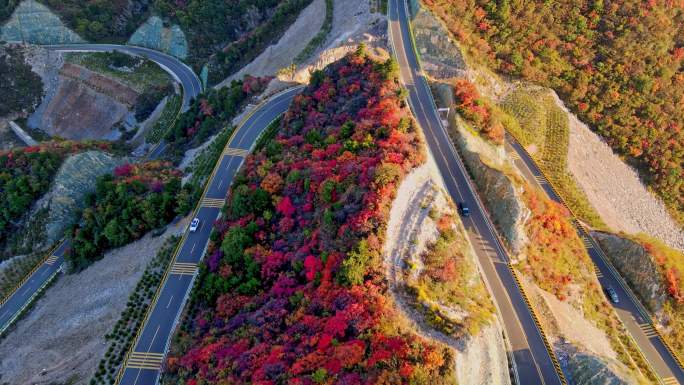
(181, 72)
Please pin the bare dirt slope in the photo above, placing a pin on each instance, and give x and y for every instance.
(62, 337)
(78, 103)
(614, 188)
(85, 105)
(282, 53)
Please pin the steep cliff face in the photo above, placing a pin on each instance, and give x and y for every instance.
(440, 57)
(637, 266)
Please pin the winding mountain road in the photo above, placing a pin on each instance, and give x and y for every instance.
(182, 73)
(12, 305)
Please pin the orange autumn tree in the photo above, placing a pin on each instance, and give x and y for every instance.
(478, 111)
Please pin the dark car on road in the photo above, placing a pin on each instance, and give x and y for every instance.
(463, 209)
(612, 294)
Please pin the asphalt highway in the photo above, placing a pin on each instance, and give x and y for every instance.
(12, 305)
(630, 311)
(144, 362)
(176, 68)
(533, 362)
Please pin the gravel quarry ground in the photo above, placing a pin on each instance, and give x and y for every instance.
(62, 337)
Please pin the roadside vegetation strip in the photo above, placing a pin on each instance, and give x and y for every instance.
(167, 120)
(202, 166)
(121, 336)
(550, 131)
(137, 72)
(627, 348)
(320, 37)
(164, 279)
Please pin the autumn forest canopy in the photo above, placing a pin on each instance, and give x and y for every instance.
(292, 290)
(618, 64)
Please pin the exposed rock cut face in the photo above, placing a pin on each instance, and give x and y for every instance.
(84, 105)
(34, 23)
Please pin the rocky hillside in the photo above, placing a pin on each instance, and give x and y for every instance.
(21, 88)
(57, 208)
(502, 196)
(35, 23)
(154, 34)
(25, 175)
(73, 182)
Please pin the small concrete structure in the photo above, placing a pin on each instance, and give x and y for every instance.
(23, 135)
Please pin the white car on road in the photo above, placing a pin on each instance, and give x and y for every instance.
(194, 225)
